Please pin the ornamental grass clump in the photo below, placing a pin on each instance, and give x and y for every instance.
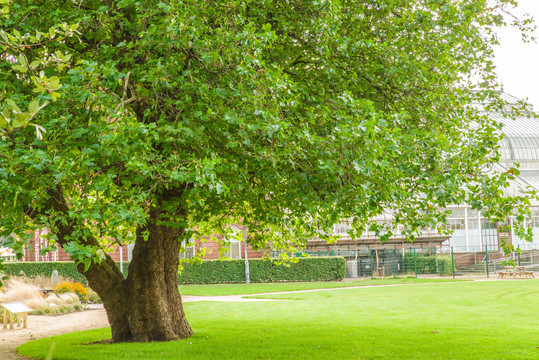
(21, 289)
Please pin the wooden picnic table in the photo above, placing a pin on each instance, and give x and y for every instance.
(15, 312)
(514, 271)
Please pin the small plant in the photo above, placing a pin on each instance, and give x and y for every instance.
(28, 291)
(93, 297)
(77, 288)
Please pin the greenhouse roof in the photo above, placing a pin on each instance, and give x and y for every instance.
(530, 177)
(521, 142)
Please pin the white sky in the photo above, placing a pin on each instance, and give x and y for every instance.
(518, 62)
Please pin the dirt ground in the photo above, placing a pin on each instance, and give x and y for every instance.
(44, 326)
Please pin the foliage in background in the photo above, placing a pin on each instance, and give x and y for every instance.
(17, 113)
(26, 63)
(244, 110)
(263, 270)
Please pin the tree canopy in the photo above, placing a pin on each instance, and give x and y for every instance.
(289, 115)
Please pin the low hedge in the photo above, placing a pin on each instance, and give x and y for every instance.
(444, 265)
(264, 270)
(212, 271)
(66, 269)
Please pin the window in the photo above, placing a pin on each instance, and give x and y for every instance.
(189, 249)
(234, 250)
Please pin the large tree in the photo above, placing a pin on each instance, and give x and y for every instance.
(289, 115)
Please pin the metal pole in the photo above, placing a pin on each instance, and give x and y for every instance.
(370, 258)
(415, 265)
(518, 252)
(480, 228)
(453, 262)
(486, 258)
(466, 231)
(121, 260)
(394, 263)
(403, 260)
(247, 276)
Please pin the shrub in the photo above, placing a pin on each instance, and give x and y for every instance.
(263, 270)
(444, 265)
(429, 264)
(77, 288)
(67, 269)
(213, 271)
(93, 297)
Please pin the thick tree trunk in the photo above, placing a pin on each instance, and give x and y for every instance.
(147, 306)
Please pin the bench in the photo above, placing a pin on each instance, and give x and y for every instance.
(47, 292)
(15, 312)
(514, 272)
(521, 271)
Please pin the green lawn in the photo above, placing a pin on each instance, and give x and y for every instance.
(461, 320)
(259, 288)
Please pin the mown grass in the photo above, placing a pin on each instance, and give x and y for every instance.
(260, 288)
(462, 320)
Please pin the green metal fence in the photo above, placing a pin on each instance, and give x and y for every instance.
(444, 261)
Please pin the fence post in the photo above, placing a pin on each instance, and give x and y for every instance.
(247, 275)
(403, 261)
(453, 262)
(370, 258)
(394, 263)
(486, 258)
(415, 265)
(518, 252)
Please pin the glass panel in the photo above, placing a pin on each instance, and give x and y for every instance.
(457, 213)
(235, 250)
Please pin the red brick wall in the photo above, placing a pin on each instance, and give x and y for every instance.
(115, 254)
(212, 250)
(468, 259)
(37, 241)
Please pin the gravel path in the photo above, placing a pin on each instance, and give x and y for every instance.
(40, 326)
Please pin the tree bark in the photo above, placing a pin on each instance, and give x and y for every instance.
(147, 305)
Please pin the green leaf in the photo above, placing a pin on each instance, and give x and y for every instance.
(21, 120)
(4, 122)
(13, 106)
(22, 60)
(33, 107)
(20, 68)
(6, 114)
(34, 64)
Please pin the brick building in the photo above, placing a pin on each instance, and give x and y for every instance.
(236, 249)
